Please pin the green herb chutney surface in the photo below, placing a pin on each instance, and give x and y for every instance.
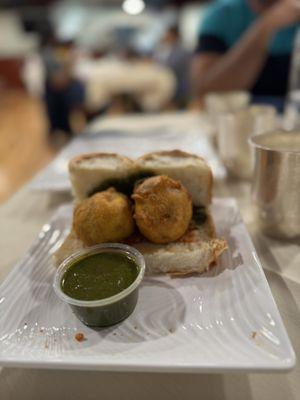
(99, 276)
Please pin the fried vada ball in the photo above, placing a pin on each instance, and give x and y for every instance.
(104, 217)
(163, 209)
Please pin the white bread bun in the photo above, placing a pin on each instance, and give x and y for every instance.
(195, 252)
(89, 171)
(191, 170)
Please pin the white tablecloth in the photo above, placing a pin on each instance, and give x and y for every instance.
(152, 85)
(20, 221)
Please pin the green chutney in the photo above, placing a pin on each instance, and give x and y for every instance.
(98, 276)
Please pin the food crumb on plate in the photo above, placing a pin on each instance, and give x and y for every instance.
(80, 337)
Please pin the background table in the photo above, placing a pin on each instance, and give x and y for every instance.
(151, 85)
(20, 221)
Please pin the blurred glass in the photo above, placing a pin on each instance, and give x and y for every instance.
(233, 133)
(217, 103)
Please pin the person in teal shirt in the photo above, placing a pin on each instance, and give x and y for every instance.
(246, 45)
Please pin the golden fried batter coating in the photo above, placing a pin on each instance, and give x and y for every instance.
(104, 217)
(163, 209)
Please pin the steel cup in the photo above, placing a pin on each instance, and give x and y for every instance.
(276, 183)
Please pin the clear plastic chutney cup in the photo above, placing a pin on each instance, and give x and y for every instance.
(110, 310)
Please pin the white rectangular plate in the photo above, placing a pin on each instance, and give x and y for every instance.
(131, 144)
(223, 320)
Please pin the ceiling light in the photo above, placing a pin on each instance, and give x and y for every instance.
(133, 7)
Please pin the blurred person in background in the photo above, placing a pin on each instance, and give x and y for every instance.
(171, 54)
(246, 45)
(64, 95)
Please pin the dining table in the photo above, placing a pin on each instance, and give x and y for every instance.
(21, 219)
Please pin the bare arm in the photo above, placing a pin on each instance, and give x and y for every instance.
(239, 67)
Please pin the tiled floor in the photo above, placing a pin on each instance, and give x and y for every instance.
(23, 143)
